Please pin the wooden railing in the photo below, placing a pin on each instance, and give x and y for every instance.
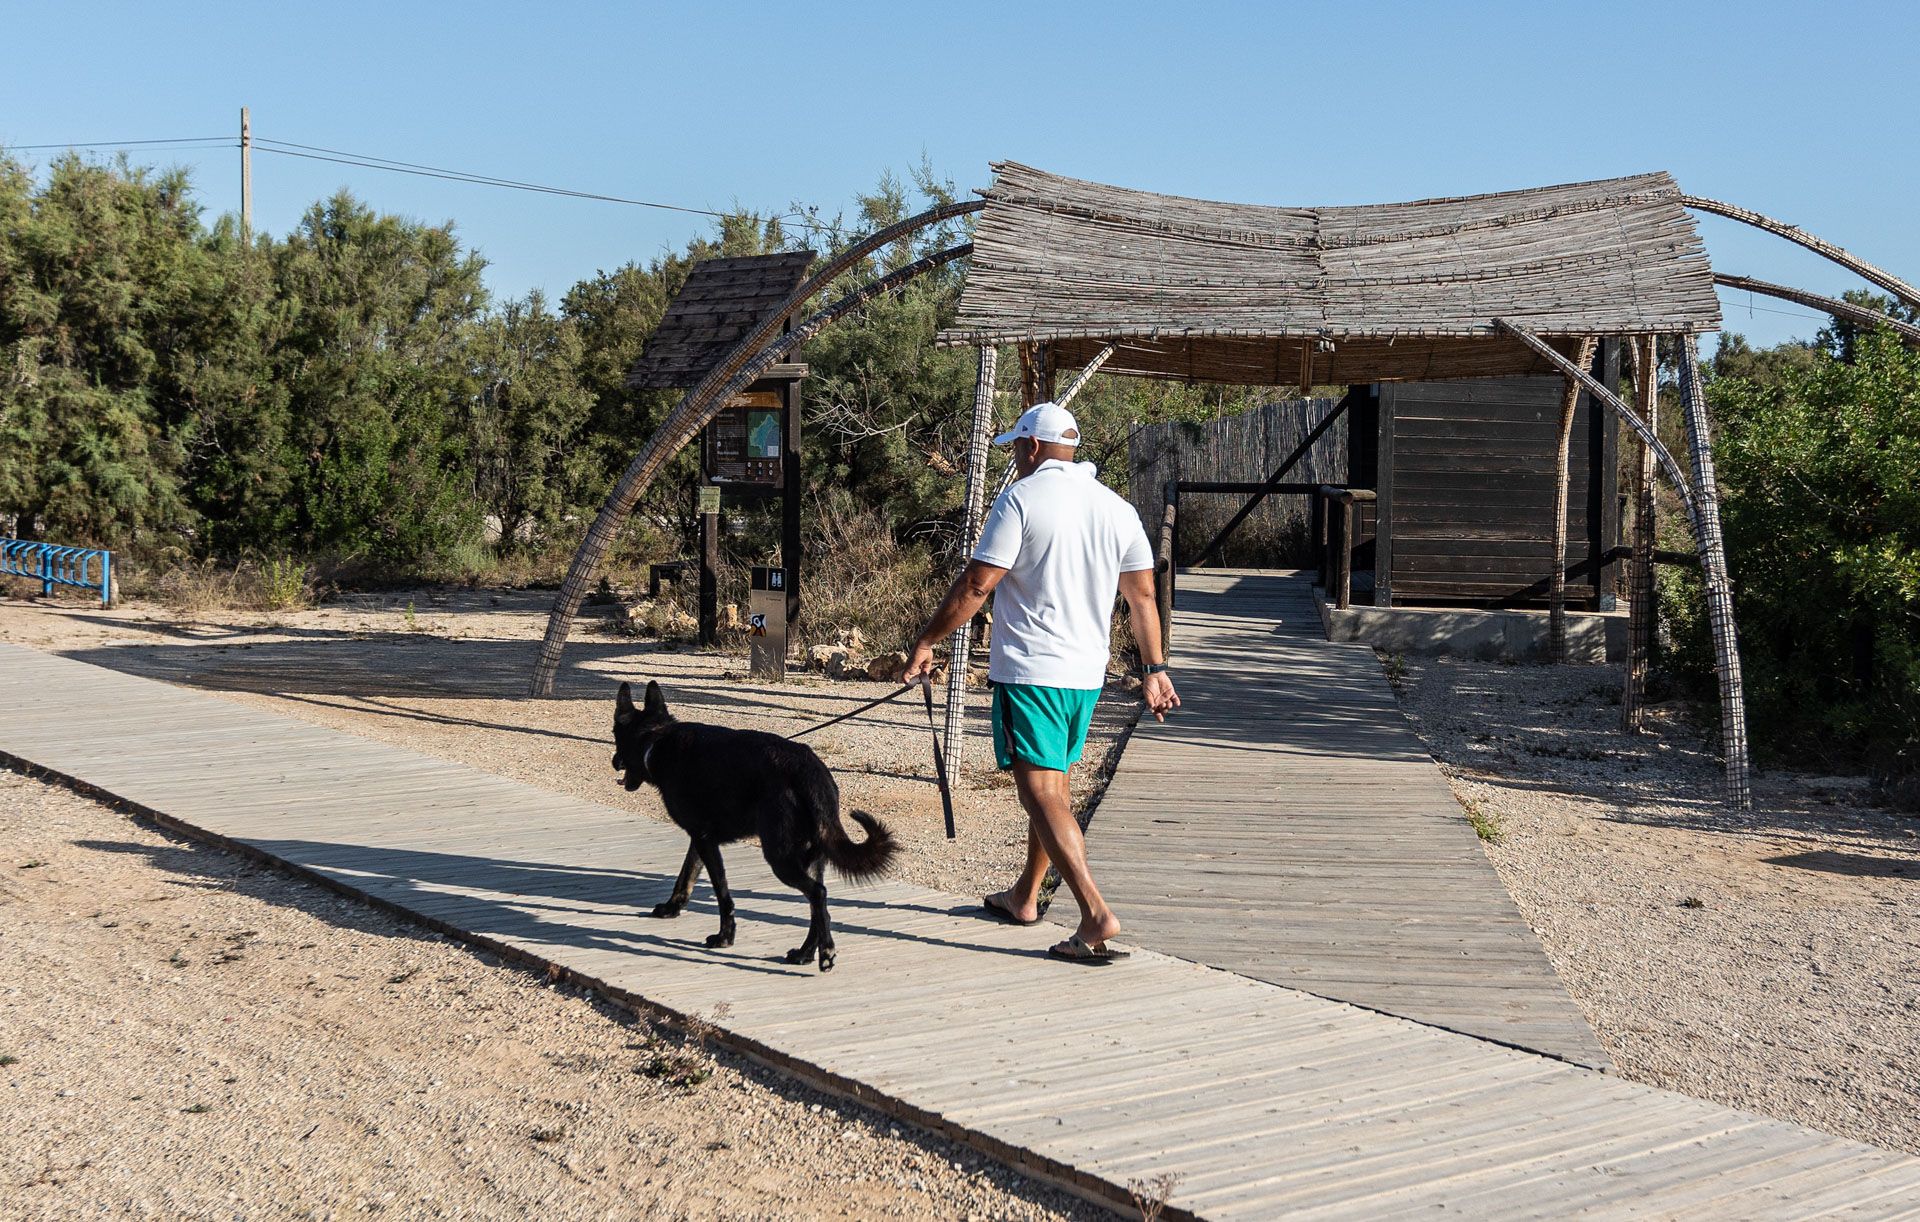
(1334, 524)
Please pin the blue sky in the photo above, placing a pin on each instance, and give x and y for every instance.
(1801, 111)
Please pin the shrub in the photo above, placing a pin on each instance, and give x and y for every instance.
(1822, 517)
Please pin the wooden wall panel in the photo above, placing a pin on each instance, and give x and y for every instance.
(1466, 486)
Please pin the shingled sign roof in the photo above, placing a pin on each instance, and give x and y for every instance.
(722, 301)
(1279, 296)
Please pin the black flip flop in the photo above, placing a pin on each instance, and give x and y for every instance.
(1076, 950)
(1001, 913)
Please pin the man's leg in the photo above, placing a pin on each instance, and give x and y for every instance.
(1023, 898)
(1043, 791)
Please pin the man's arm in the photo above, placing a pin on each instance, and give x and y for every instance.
(969, 593)
(1143, 611)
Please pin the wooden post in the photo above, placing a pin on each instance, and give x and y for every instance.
(1317, 537)
(960, 643)
(1557, 575)
(790, 496)
(709, 578)
(1719, 586)
(246, 176)
(1640, 593)
(1340, 543)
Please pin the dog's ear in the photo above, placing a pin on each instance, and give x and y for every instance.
(656, 703)
(623, 703)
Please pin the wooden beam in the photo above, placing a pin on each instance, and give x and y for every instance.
(960, 644)
(1640, 590)
(1085, 375)
(1557, 586)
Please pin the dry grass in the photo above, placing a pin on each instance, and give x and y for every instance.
(859, 576)
(278, 583)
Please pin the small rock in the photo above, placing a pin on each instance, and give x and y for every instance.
(888, 667)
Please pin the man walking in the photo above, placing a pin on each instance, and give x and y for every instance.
(1055, 548)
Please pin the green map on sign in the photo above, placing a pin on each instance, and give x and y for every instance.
(763, 434)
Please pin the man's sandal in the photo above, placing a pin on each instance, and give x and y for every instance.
(1000, 912)
(1078, 950)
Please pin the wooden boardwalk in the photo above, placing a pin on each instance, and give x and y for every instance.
(1288, 825)
(1267, 1101)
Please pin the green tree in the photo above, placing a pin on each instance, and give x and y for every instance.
(526, 442)
(375, 360)
(1822, 517)
(100, 273)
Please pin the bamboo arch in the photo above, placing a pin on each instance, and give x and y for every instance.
(745, 362)
(1701, 498)
(1832, 305)
(1793, 233)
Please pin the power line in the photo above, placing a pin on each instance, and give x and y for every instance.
(287, 148)
(313, 152)
(1750, 306)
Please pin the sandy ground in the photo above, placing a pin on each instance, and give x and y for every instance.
(185, 1035)
(1768, 959)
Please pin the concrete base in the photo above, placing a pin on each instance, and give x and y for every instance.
(1489, 635)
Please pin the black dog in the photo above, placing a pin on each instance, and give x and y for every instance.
(723, 785)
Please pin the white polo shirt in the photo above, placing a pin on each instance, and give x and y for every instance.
(1064, 539)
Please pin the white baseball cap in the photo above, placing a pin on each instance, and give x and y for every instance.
(1044, 422)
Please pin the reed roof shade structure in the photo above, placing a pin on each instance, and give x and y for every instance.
(721, 303)
(1254, 295)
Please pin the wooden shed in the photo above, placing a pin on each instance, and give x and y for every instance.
(1463, 477)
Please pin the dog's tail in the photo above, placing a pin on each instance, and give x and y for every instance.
(863, 859)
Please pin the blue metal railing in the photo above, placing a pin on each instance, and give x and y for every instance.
(51, 565)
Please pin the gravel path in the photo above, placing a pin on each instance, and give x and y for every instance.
(183, 1034)
(1766, 959)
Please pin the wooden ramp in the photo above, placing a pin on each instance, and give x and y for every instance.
(1265, 1100)
(1287, 824)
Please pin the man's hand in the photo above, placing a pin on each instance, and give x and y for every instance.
(1157, 691)
(919, 664)
(962, 603)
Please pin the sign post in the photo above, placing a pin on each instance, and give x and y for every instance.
(752, 449)
(767, 623)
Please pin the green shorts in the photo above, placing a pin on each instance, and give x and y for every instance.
(1042, 726)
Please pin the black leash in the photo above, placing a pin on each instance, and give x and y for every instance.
(939, 756)
(939, 760)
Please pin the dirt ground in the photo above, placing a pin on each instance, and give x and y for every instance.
(183, 1034)
(1767, 959)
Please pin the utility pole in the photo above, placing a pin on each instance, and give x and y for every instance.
(246, 176)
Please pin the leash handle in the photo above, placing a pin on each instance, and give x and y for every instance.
(939, 759)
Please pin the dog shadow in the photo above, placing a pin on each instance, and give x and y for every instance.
(565, 905)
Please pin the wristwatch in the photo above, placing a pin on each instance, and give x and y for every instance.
(1154, 668)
